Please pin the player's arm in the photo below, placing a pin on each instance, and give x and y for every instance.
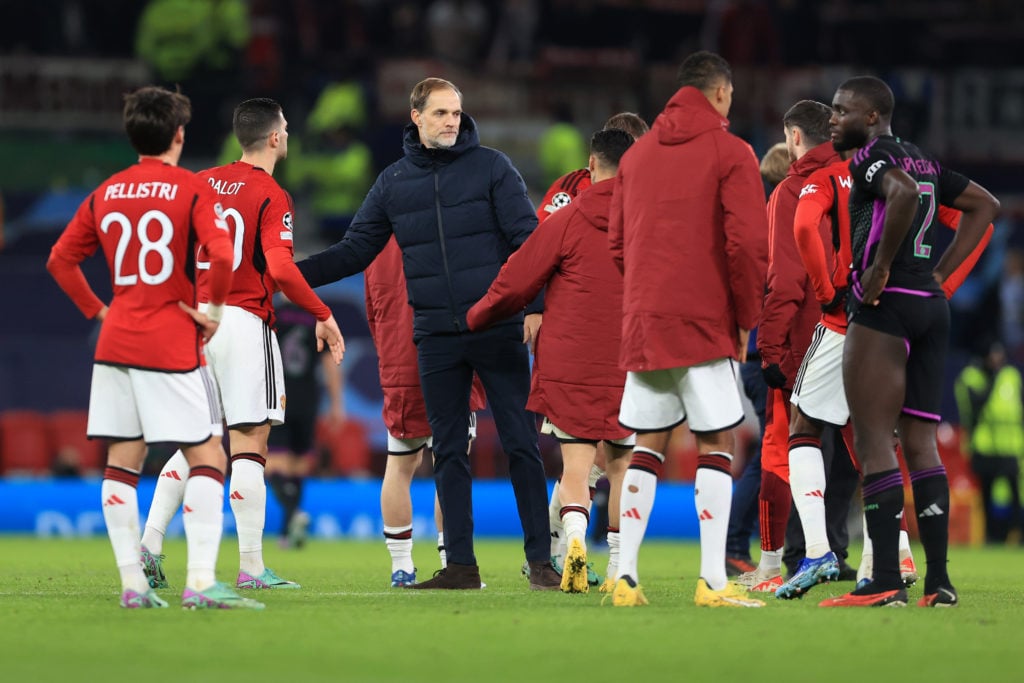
(786, 284)
(523, 276)
(77, 243)
(213, 235)
(287, 276)
(951, 218)
(901, 202)
(979, 209)
(334, 379)
(365, 237)
(810, 212)
(746, 235)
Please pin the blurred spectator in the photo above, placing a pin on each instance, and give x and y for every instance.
(1011, 304)
(775, 164)
(457, 30)
(177, 36)
(988, 394)
(515, 33)
(335, 166)
(561, 148)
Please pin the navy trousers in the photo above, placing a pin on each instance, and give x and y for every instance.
(500, 358)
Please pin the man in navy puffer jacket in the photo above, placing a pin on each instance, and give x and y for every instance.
(457, 210)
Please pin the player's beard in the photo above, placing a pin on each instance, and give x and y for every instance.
(850, 140)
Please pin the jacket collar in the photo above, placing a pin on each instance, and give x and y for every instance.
(424, 156)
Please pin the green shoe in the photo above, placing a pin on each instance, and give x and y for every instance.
(268, 579)
(153, 568)
(217, 596)
(132, 600)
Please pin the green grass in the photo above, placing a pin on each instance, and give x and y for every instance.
(59, 620)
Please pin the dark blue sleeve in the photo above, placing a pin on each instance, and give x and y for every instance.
(366, 237)
(516, 216)
(512, 208)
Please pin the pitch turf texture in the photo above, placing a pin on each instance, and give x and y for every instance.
(60, 621)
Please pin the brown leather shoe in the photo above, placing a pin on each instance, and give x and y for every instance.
(453, 577)
(543, 576)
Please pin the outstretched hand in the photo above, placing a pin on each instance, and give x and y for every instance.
(203, 322)
(327, 331)
(531, 328)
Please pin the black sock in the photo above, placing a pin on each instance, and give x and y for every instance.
(931, 503)
(883, 507)
(288, 491)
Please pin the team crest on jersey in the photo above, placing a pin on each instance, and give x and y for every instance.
(561, 199)
(808, 189)
(286, 220)
(283, 401)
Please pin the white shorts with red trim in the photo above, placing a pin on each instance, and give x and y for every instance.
(246, 360)
(819, 391)
(160, 407)
(706, 395)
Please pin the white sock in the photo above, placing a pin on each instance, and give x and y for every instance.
(398, 539)
(170, 491)
(638, 489)
(807, 481)
(904, 541)
(713, 488)
(441, 551)
(595, 474)
(613, 554)
(770, 563)
(866, 569)
(555, 521)
(575, 520)
(120, 502)
(249, 505)
(203, 512)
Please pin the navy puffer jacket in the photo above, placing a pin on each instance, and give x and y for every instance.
(457, 214)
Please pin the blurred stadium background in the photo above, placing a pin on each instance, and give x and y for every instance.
(538, 75)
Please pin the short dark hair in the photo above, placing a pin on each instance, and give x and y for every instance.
(812, 118)
(421, 91)
(704, 70)
(254, 120)
(152, 116)
(610, 144)
(629, 122)
(878, 95)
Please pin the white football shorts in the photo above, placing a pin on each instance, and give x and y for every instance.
(706, 395)
(160, 407)
(549, 427)
(398, 446)
(819, 391)
(246, 361)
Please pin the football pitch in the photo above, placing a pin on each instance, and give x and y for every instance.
(59, 621)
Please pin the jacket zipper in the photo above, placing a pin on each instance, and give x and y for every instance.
(444, 251)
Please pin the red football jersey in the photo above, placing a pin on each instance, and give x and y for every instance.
(563, 191)
(259, 215)
(146, 218)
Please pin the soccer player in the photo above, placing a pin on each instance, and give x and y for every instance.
(290, 445)
(693, 251)
(559, 195)
(898, 330)
(150, 383)
(405, 413)
(568, 187)
(246, 358)
(577, 384)
(784, 332)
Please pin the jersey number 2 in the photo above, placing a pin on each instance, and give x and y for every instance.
(922, 250)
